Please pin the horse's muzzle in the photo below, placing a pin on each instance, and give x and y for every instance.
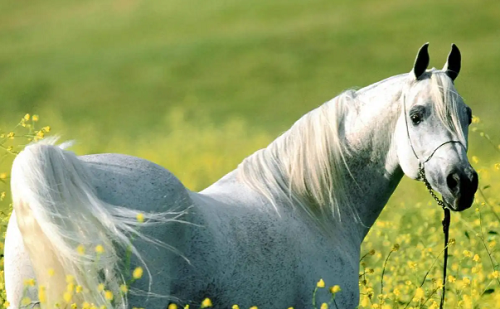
(462, 186)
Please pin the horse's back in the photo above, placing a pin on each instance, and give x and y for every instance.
(136, 183)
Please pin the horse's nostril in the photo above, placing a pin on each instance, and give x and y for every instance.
(453, 181)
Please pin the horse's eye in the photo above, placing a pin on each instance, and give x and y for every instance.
(416, 118)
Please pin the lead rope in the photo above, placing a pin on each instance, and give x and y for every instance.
(440, 202)
(446, 228)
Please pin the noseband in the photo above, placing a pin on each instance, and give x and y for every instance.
(440, 202)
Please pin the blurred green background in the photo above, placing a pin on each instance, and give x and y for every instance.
(197, 86)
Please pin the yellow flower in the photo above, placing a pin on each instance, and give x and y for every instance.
(321, 283)
(335, 289)
(67, 297)
(138, 273)
(467, 253)
(26, 117)
(70, 287)
(85, 305)
(140, 217)
(254, 307)
(100, 287)
(42, 296)
(3, 175)
(124, 288)
(451, 279)
(74, 306)
(475, 119)
(99, 249)
(11, 135)
(475, 159)
(206, 303)
(80, 249)
(235, 307)
(186, 307)
(495, 274)
(46, 129)
(108, 295)
(35, 118)
(6, 304)
(172, 306)
(78, 289)
(466, 281)
(51, 272)
(29, 282)
(324, 306)
(70, 279)
(419, 294)
(476, 258)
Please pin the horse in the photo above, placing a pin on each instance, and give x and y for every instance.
(265, 233)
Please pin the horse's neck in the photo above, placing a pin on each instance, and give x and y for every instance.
(373, 162)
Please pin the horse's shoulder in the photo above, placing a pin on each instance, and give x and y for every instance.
(131, 181)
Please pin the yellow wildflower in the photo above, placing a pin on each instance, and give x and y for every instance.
(321, 283)
(6, 304)
(254, 307)
(67, 297)
(108, 295)
(140, 217)
(467, 253)
(138, 273)
(100, 287)
(206, 303)
(29, 282)
(476, 258)
(335, 289)
(124, 288)
(35, 118)
(495, 274)
(172, 306)
(74, 306)
(419, 294)
(80, 249)
(451, 279)
(42, 296)
(26, 117)
(99, 249)
(235, 307)
(324, 306)
(78, 289)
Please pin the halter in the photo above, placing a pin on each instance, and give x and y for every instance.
(440, 202)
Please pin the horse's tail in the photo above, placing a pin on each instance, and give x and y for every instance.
(73, 238)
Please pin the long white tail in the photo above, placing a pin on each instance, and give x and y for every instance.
(62, 221)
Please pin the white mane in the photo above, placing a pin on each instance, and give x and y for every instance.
(306, 165)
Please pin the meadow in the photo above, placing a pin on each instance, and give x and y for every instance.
(197, 87)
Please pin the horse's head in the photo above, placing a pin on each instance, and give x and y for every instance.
(432, 131)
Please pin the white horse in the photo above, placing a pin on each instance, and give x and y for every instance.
(264, 234)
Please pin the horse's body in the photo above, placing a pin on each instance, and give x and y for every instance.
(247, 243)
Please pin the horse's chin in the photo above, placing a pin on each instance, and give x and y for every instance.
(459, 203)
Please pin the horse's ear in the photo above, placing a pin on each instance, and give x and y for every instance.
(453, 64)
(422, 61)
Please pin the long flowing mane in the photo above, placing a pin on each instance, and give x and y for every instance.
(306, 166)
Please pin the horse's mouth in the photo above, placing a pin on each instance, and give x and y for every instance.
(461, 201)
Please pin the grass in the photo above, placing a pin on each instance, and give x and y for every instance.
(198, 86)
